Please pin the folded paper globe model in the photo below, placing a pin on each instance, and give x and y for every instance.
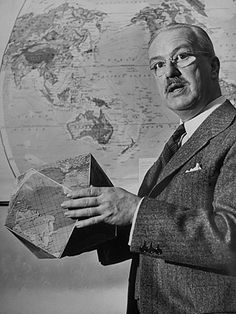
(35, 215)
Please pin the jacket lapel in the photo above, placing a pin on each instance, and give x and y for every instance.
(217, 122)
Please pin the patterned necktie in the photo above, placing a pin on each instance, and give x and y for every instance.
(172, 145)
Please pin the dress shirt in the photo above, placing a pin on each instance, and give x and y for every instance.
(192, 124)
(190, 127)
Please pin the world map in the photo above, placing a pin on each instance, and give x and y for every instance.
(75, 79)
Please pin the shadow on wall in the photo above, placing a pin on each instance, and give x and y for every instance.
(72, 285)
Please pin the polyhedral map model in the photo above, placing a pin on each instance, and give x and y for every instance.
(75, 79)
(35, 214)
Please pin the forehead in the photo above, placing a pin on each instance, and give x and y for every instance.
(169, 40)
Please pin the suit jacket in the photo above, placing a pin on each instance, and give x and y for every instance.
(184, 240)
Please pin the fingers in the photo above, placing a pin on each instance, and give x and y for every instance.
(84, 203)
(84, 212)
(80, 202)
(89, 222)
(85, 192)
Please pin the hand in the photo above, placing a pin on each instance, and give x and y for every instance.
(111, 205)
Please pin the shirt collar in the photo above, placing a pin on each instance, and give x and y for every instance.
(192, 124)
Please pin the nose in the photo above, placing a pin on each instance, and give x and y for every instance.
(171, 70)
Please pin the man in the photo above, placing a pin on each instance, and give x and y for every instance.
(183, 235)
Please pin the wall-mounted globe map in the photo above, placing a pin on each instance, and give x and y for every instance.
(75, 80)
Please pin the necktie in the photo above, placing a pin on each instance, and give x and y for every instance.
(172, 145)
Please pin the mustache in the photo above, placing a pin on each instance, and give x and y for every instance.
(174, 81)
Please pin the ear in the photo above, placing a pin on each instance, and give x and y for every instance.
(215, 68)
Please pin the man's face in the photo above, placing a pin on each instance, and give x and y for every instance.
(185, 90)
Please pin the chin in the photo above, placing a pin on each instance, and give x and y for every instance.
(181, 103)
(179, 106)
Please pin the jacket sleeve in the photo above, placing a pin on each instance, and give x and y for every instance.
(116, 250)
(193, 223)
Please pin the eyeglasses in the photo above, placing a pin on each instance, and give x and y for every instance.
(181, 60)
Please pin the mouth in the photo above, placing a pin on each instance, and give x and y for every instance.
(175, 88)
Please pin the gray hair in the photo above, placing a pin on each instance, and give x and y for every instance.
(202, 38)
